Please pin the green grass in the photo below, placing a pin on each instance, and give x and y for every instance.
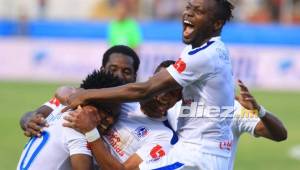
(258, 154)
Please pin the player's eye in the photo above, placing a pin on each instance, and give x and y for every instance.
(127, 72)
(113, 69)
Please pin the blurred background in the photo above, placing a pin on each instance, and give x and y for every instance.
(48, 43)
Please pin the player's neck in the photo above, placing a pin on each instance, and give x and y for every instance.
(199, 42)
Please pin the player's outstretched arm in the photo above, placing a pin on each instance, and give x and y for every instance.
(161, 82)
(269, 125)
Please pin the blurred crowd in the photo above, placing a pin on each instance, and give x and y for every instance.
(254, 11)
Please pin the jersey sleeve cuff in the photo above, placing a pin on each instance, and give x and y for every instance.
(255, 123)
(176, 76)
(78, 152)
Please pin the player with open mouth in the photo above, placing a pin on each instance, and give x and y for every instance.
(204, 72)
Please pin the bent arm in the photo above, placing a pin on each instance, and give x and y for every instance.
(81, 162)
(271, 127)
(43, 110)
(103, 157)
(107, 161)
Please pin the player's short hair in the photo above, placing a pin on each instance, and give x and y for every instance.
(123, 50)
(164, 64)
(99, 79)
(224, 10)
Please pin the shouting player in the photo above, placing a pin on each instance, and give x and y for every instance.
(120, 60)
(64, 148)
(204, 72)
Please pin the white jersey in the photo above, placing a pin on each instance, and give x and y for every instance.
(54, 148)
(242, 123)
(205, 73)
(137, 133)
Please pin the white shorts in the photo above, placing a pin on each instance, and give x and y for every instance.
(187, 157)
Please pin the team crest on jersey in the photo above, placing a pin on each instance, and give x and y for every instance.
(141, 132)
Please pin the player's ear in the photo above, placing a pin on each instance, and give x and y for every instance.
(218, 25)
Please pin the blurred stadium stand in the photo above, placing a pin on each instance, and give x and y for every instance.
(47, 38)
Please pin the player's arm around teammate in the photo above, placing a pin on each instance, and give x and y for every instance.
(269, 125)
(84, 122)
(33, 122)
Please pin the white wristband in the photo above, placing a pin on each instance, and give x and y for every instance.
(92, 135)
(262, 112)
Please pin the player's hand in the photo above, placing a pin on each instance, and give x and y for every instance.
(245, 98)
(35, 126)
(83, 119)
(74, 100)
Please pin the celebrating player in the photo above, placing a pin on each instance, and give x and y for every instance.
(249, 117)
(261, 124)
(142, 135)
(64, 148)
(205, 74)
(120, 60)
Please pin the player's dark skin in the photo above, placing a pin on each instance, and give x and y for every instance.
(202, 27)
(119, 64)
(269, 126)
(84, 123)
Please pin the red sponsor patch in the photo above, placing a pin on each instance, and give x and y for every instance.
(180, 66)
(157, 152)
(115, 141)
(55, 101)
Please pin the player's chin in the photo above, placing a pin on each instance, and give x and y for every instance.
(186, 40)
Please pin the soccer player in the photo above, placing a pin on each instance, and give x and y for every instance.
(204, 72)
(260, 124)
(65, 148)
(249, 117)
(120, 60)
(142, 134)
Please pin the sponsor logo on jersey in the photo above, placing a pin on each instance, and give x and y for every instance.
(141, 132)
(156, 153)
(115, 141)
(225, 145)
(180, 65)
